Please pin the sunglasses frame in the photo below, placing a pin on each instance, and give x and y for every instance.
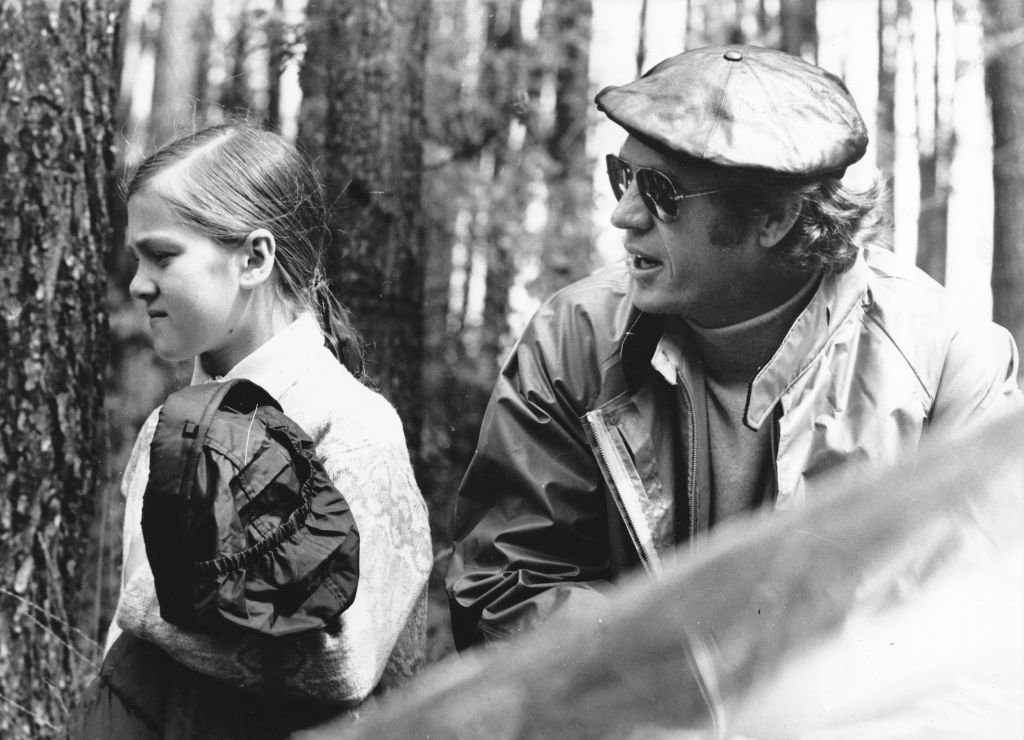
(638, 174)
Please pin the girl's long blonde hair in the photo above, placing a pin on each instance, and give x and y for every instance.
(229, 179)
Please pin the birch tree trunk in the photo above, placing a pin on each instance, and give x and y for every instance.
(57, 63)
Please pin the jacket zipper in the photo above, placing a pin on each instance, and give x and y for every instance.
(773, 438)
(691, 478)
(621, 491)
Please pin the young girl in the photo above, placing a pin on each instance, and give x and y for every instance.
(228, 227)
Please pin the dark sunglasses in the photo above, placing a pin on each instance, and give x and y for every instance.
(657, 190)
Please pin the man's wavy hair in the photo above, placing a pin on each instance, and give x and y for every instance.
(833, 225)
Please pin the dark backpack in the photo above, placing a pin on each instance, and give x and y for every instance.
(241, 522)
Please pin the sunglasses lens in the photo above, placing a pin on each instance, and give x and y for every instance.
(658, 193)
(619, 175)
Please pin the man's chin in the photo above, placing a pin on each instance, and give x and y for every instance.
(651, 300)
(654, 304)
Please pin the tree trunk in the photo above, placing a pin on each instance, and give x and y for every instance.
(57, 81)
(689, 34)
(569, 236)
(762, 19)
(236, 94)
(799, 22)
(641, 41)
(1004, 29)
(473, 223)
(362, 115)
(278, 52)
(502, 76)
(885, 117)
(179, 75)
(935, 153)
(712, 22)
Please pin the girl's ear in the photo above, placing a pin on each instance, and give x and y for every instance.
(258, 253)
(776, 224)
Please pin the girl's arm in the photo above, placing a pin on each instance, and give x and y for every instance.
(133, 484)
(371, 469)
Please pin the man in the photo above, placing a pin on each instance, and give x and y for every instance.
(755, 338)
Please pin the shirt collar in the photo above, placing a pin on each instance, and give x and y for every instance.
(277, 363)
(835, 298)
(738, 351)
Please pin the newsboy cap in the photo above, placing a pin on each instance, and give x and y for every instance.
(743, 106)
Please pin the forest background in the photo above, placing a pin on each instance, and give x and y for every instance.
(460, 147)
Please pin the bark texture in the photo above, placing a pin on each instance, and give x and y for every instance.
(57, 62)
(362, 119)
(569, 237)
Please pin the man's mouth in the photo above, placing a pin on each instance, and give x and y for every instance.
(156, 314)
(641, 262)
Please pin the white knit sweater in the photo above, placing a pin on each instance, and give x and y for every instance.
(359, 437)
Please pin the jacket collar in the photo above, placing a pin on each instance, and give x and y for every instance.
(638, 345)
(836, 297)
(279, 362)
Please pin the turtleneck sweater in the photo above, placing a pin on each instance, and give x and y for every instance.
(742, 469)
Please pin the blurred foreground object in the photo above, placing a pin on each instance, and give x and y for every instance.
(894, 609)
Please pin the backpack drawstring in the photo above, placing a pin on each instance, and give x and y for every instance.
(245, 454)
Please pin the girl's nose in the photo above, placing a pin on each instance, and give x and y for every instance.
(141, 286)
(630, 212)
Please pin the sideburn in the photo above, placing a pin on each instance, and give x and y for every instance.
(732, 223)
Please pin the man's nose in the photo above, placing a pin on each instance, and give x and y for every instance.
(630, 212)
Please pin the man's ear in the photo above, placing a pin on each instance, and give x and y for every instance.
(258, 253)
(777, 223)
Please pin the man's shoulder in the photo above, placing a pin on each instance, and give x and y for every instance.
(604, 288)
(902, 296)
(574, 339)
(893, 272)
(933, 330)
(598, 304)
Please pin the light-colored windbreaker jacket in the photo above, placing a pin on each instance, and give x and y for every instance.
(588, 437)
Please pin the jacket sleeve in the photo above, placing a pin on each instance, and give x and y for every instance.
(530, 521)
(978, 380)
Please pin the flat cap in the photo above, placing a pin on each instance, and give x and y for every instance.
(743, 106)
